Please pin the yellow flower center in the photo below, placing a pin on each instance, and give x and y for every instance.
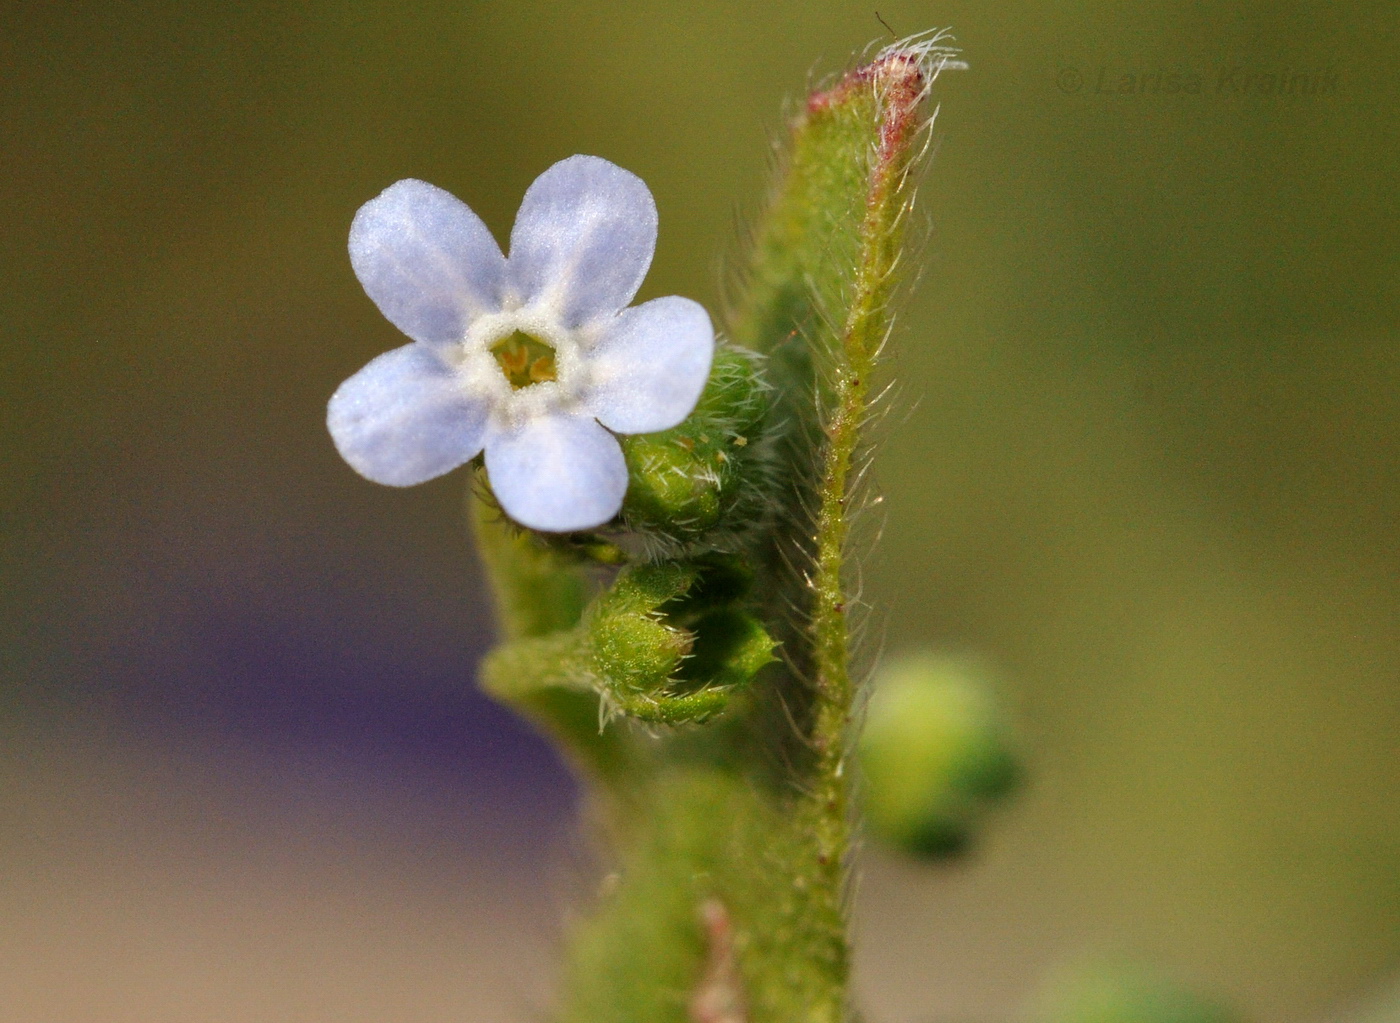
(525, 360)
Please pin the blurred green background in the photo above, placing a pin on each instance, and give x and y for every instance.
(1146, 458)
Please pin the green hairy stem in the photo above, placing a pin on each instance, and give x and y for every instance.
(693, 659)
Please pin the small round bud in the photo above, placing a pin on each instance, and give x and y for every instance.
(677, 482)
(667, 643)
(632, 646)
(636, 652)
(934, 753)
(731, 647)
(708, 473)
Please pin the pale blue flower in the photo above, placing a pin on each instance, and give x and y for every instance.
(582, 242)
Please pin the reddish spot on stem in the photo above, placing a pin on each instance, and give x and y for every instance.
(719, 997)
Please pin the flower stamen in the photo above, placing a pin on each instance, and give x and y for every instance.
(525, 360)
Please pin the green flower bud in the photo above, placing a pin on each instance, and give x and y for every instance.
(667, 644)
(637, 652)
(730, 648)
(1106, 994)
(934, 753)
(709, 474)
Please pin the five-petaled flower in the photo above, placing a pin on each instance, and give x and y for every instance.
(533, 358)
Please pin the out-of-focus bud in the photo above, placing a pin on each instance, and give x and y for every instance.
(1122, 994)
(935, 752)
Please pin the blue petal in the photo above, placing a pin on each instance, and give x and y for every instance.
(427, 260)
(557, 473)
(405, 418)
(651, 365)
(583, 240)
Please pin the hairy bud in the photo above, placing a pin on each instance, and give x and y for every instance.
(700, 484)
(668, 643)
